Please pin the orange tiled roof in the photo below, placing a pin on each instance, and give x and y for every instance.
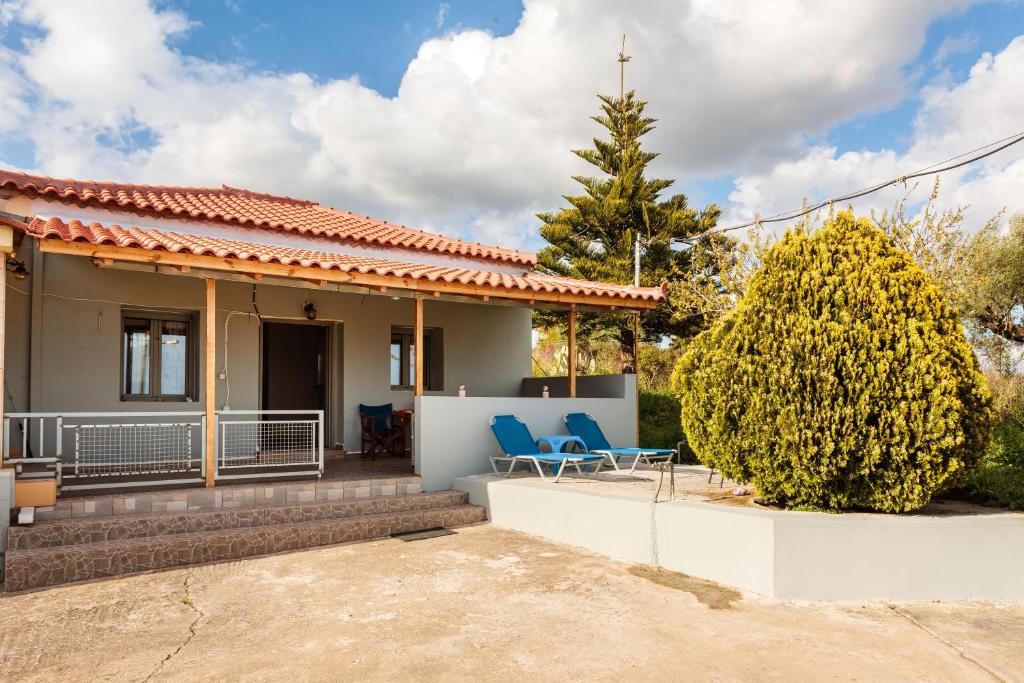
(201, 245)
(242, 207)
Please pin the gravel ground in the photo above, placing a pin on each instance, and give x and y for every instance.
(483, 604)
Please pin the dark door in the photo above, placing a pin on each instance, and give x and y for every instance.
(294, 366)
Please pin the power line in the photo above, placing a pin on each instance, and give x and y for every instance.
(996, 146)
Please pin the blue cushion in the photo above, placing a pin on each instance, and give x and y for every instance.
(638, 451)
(513, 435)
(379, 414)
(585, 427)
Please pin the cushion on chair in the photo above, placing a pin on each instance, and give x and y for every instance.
(513, 435)
(379, 414)
(586, 427)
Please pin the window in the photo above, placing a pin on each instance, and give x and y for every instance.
(403, 359)
(158, 356)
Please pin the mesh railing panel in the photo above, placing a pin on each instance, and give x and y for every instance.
(268, 443)
(129, 449)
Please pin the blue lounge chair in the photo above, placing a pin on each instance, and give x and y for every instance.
(516, 444)
(585, 426)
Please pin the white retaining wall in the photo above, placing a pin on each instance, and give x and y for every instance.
(453, 435)
(6, 503)
(795, 555)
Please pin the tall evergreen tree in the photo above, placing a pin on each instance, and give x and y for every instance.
(594, 237)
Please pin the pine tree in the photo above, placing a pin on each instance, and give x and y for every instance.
(594, 237)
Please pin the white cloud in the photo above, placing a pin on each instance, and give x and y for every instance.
(442, 14)
(953, 119)
(478, 135)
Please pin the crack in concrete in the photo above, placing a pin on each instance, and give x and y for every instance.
(948, 643)
(190, 603)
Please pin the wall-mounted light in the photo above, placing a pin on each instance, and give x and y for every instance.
(16, 268)
(310, 310)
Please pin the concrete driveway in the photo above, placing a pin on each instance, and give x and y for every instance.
(484, 604)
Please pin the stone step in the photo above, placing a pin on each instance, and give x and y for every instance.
(227, 496)
(118, 527)
(39, 567)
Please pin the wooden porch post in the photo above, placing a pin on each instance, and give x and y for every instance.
(418, 341)
(210, 383)
(572, 351)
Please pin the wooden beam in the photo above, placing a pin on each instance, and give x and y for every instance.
(418, 341)
(318, 283)
(636, 372)
(255, 276)
(572, 352)
(210, 383)
(103, 261)
(369, 280)
(3, 335)
(378, 288)
(183, 269)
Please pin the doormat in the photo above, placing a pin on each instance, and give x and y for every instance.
(421, 535)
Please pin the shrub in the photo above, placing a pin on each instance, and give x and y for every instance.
(1000, 481)
(841, 380)
(659, 423)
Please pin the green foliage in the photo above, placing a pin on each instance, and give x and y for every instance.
(933, 238)
(659, 421)
(1000, 481)
(654, 373)
(594, 237)
(840, 381)
(996, 294)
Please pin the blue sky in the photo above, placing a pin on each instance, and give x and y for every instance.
(330, 40)
(966, 35)
(760, 105)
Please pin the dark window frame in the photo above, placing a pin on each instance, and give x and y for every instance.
(156, 320)
(404, 336)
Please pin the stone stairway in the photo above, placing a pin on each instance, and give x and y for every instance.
(61, 551)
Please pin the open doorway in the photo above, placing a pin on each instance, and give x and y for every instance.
(295, 366)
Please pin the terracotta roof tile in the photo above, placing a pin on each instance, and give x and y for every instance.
(162, 240)
(235, 206)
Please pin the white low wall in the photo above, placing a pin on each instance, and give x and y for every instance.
(6, 503)
(795, 555)
(454, 439)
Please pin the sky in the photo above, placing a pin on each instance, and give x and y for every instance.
(459, 117)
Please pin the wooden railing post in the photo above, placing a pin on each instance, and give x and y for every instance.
(210, 383)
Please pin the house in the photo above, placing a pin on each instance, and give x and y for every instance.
(190, 338)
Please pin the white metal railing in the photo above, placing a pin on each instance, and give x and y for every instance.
(269, 443)
(83, 448)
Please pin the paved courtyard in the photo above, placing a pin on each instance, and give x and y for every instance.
(483, 604)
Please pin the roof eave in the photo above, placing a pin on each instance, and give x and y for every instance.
(638, 301)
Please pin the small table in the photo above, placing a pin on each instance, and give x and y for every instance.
(557, 444)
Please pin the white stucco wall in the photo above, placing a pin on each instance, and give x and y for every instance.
(454, 438)
(793, 555)
(6, 503)
(486, 347)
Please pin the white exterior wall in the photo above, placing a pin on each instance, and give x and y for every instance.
(486, 347)
(454, 439)
(791, 555)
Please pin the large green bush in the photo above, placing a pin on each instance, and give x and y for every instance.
(841, 380)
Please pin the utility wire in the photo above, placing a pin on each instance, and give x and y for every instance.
(944, 166)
